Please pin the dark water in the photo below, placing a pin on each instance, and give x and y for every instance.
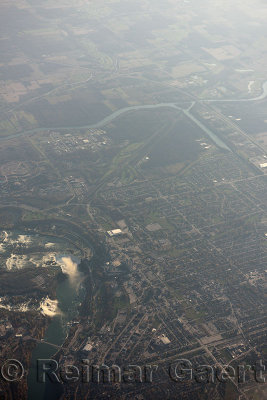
(68, 296)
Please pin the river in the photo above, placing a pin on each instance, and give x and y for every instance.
(261, 97)
(122, 111)
(69, 295)
(67, 292)
(212, 135)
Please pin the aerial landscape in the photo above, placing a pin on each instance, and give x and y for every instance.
(133, 198)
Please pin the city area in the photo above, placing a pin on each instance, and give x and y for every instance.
(133, 226)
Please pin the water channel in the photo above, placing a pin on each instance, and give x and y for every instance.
(69, 295)
(122, 111)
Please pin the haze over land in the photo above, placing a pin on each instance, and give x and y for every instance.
(133, 141)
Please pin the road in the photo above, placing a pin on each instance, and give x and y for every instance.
(122, 111)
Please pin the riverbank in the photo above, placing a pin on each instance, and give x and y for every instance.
(110, 118)
(69, 296)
